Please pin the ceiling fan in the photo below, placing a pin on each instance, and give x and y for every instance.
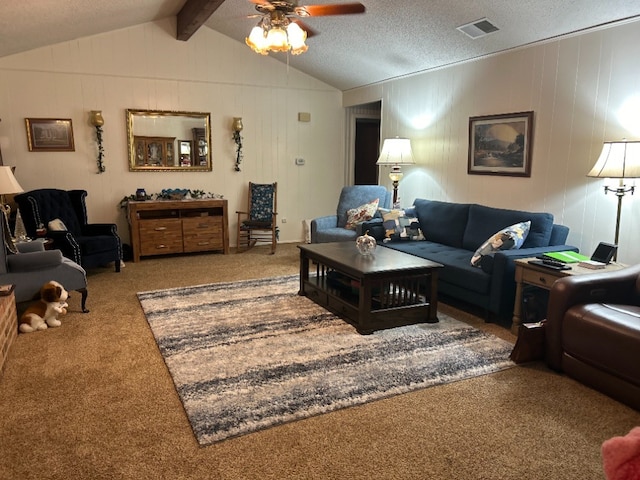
(280, 28)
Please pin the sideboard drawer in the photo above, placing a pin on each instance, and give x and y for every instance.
(540, 279)
(160, 236)
(202, 233)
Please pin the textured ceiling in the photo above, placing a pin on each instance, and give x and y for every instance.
(392, 39)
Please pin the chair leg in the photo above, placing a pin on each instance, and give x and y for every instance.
(83, 300)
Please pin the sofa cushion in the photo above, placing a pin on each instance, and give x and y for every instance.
(444, 222)
(485, 221)
(361, 214)
(458, 269)
(508, 238)
(400, 225)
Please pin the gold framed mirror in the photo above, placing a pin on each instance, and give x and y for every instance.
(158, 141)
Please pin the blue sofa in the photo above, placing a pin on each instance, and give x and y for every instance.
(453, 232)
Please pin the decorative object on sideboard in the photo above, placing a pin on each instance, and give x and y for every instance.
(50, 134)
(97, 121)
(237, 128)
(170, 194)
(395, 152)
(501, 144)
(619, 160)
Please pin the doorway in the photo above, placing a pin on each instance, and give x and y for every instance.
(363, 144)
(367, 149)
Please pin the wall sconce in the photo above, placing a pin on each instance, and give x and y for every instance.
(237, 128)
(97, 121)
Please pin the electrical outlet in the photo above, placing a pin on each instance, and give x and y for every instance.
(284, 220)
(299, 161)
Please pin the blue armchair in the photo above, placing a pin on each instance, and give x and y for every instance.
(331, 228)
(88, 244)
(33, 266)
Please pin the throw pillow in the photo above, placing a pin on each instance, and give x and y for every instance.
(399, 225)
(506, 239)
(57, 225)
(361, 214)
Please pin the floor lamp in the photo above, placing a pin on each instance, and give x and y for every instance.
(618, 160)
(396, 152)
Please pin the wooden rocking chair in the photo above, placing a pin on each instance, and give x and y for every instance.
(259, 223)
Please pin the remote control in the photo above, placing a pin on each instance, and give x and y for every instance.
(553, 263)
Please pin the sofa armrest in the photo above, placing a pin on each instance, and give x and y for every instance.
(373, 226)
(27, 262)
(500, 265)
(620, 286)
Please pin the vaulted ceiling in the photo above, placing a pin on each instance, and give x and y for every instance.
(390, 40)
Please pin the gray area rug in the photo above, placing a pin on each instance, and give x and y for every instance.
(248, 355)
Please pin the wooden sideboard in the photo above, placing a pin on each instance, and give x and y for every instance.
(162, 227)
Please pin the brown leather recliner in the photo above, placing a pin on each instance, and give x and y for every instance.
(593, 331)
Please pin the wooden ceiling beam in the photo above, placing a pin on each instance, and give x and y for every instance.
(192, 16)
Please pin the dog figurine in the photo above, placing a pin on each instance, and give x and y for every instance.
(44, 313)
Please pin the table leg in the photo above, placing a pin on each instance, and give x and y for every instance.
(304, 271)
(517, 306)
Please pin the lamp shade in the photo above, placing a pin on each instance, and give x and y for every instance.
(396, 151)
(618, 160)
(8, 183)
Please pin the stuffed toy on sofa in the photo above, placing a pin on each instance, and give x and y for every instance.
(44, 313)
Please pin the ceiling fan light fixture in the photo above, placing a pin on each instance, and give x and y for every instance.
(277, 40)
(297, 37)
(257, 40)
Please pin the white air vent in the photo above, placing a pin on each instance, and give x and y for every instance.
(479, 28)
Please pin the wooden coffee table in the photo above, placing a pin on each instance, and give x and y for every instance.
(383, 290)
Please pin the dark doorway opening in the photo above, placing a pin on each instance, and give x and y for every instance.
(367, 149)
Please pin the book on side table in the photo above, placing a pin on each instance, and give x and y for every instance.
(592, 264)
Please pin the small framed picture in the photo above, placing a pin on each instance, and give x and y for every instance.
(501, 144)
(50, 134)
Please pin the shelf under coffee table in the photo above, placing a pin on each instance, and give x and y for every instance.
(386, 289)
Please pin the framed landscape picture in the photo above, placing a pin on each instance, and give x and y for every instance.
(501, 144)
(49, 135)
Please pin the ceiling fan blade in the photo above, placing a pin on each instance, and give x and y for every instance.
(263, 3)
(334, 9)
(310, 31)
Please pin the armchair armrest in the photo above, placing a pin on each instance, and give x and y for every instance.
(620, 286)
(26, 247)
(322, 223)
(25, 262)
(92, 229)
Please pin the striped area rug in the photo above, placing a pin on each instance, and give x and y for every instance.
(249, 355)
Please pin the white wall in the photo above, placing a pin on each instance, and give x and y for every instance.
(144, 67)
(579, 87)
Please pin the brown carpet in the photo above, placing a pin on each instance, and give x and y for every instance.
(93, 400)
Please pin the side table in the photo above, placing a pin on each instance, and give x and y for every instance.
(536, 275)
(8, 323)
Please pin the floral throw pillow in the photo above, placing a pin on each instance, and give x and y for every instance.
(361, 214)
(399, 225)
(506, 239)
